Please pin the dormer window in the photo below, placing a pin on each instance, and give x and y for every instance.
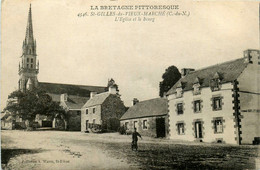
(215, 82)
(196, 86)
(179, 90)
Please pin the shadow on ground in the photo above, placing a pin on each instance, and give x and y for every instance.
(7, 154)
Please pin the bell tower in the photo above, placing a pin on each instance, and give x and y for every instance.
(28, 65)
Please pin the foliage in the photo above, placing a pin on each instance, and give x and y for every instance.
(122, 130)
(32, 102)
(112, 82)
(170, 77)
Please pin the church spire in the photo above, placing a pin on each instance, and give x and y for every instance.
(29, 44)
(29, 29)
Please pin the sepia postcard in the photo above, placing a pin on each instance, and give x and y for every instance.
(130, 84)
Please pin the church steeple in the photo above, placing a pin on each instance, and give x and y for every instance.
(28, 69)
(29, 44)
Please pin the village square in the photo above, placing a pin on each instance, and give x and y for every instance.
(206, 118)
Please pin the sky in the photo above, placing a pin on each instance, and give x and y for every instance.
(90, 50)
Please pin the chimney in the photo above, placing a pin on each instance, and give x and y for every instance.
(135, 100)
(251, 56)
(92, 94)
(186, 71)
(112, 89)
(64, 97)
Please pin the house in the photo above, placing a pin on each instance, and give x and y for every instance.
(7, 121)
(220, 103)
(149, 117)
(71, 98)
(102, 111)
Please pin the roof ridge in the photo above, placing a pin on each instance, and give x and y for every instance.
(102, 93)
(72, 84)
(150, 99)
(207, 67)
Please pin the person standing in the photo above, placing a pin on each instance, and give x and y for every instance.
(135, 136)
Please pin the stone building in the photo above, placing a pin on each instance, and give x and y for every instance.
(71, 97)
(220, 103)
(149, 117)
(102, 111)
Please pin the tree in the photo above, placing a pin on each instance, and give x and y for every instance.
(32, 102)
(170, 77)
(111, 82)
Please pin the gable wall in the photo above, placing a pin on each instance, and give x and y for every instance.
(249, 101)
(90, 116)
(112, 108)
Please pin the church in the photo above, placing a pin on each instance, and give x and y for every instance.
(71, 97)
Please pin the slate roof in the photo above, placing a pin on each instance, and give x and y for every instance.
(98, 99)
(147, 108)
(76, 102)
(55, 97)
(70, 89)
(73, 101)
(228, 72)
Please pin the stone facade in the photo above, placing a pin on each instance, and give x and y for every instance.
(105, 114)
(248, 84)
(149, 117)
(228, 114)
(88, 116)
(206, 115)
(148, 128)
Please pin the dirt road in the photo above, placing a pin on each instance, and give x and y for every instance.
(75, 150)
(55, 150)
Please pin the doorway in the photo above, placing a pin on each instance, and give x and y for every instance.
(46, 123)
(198, 130)
(86, 125)
(160, 127)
